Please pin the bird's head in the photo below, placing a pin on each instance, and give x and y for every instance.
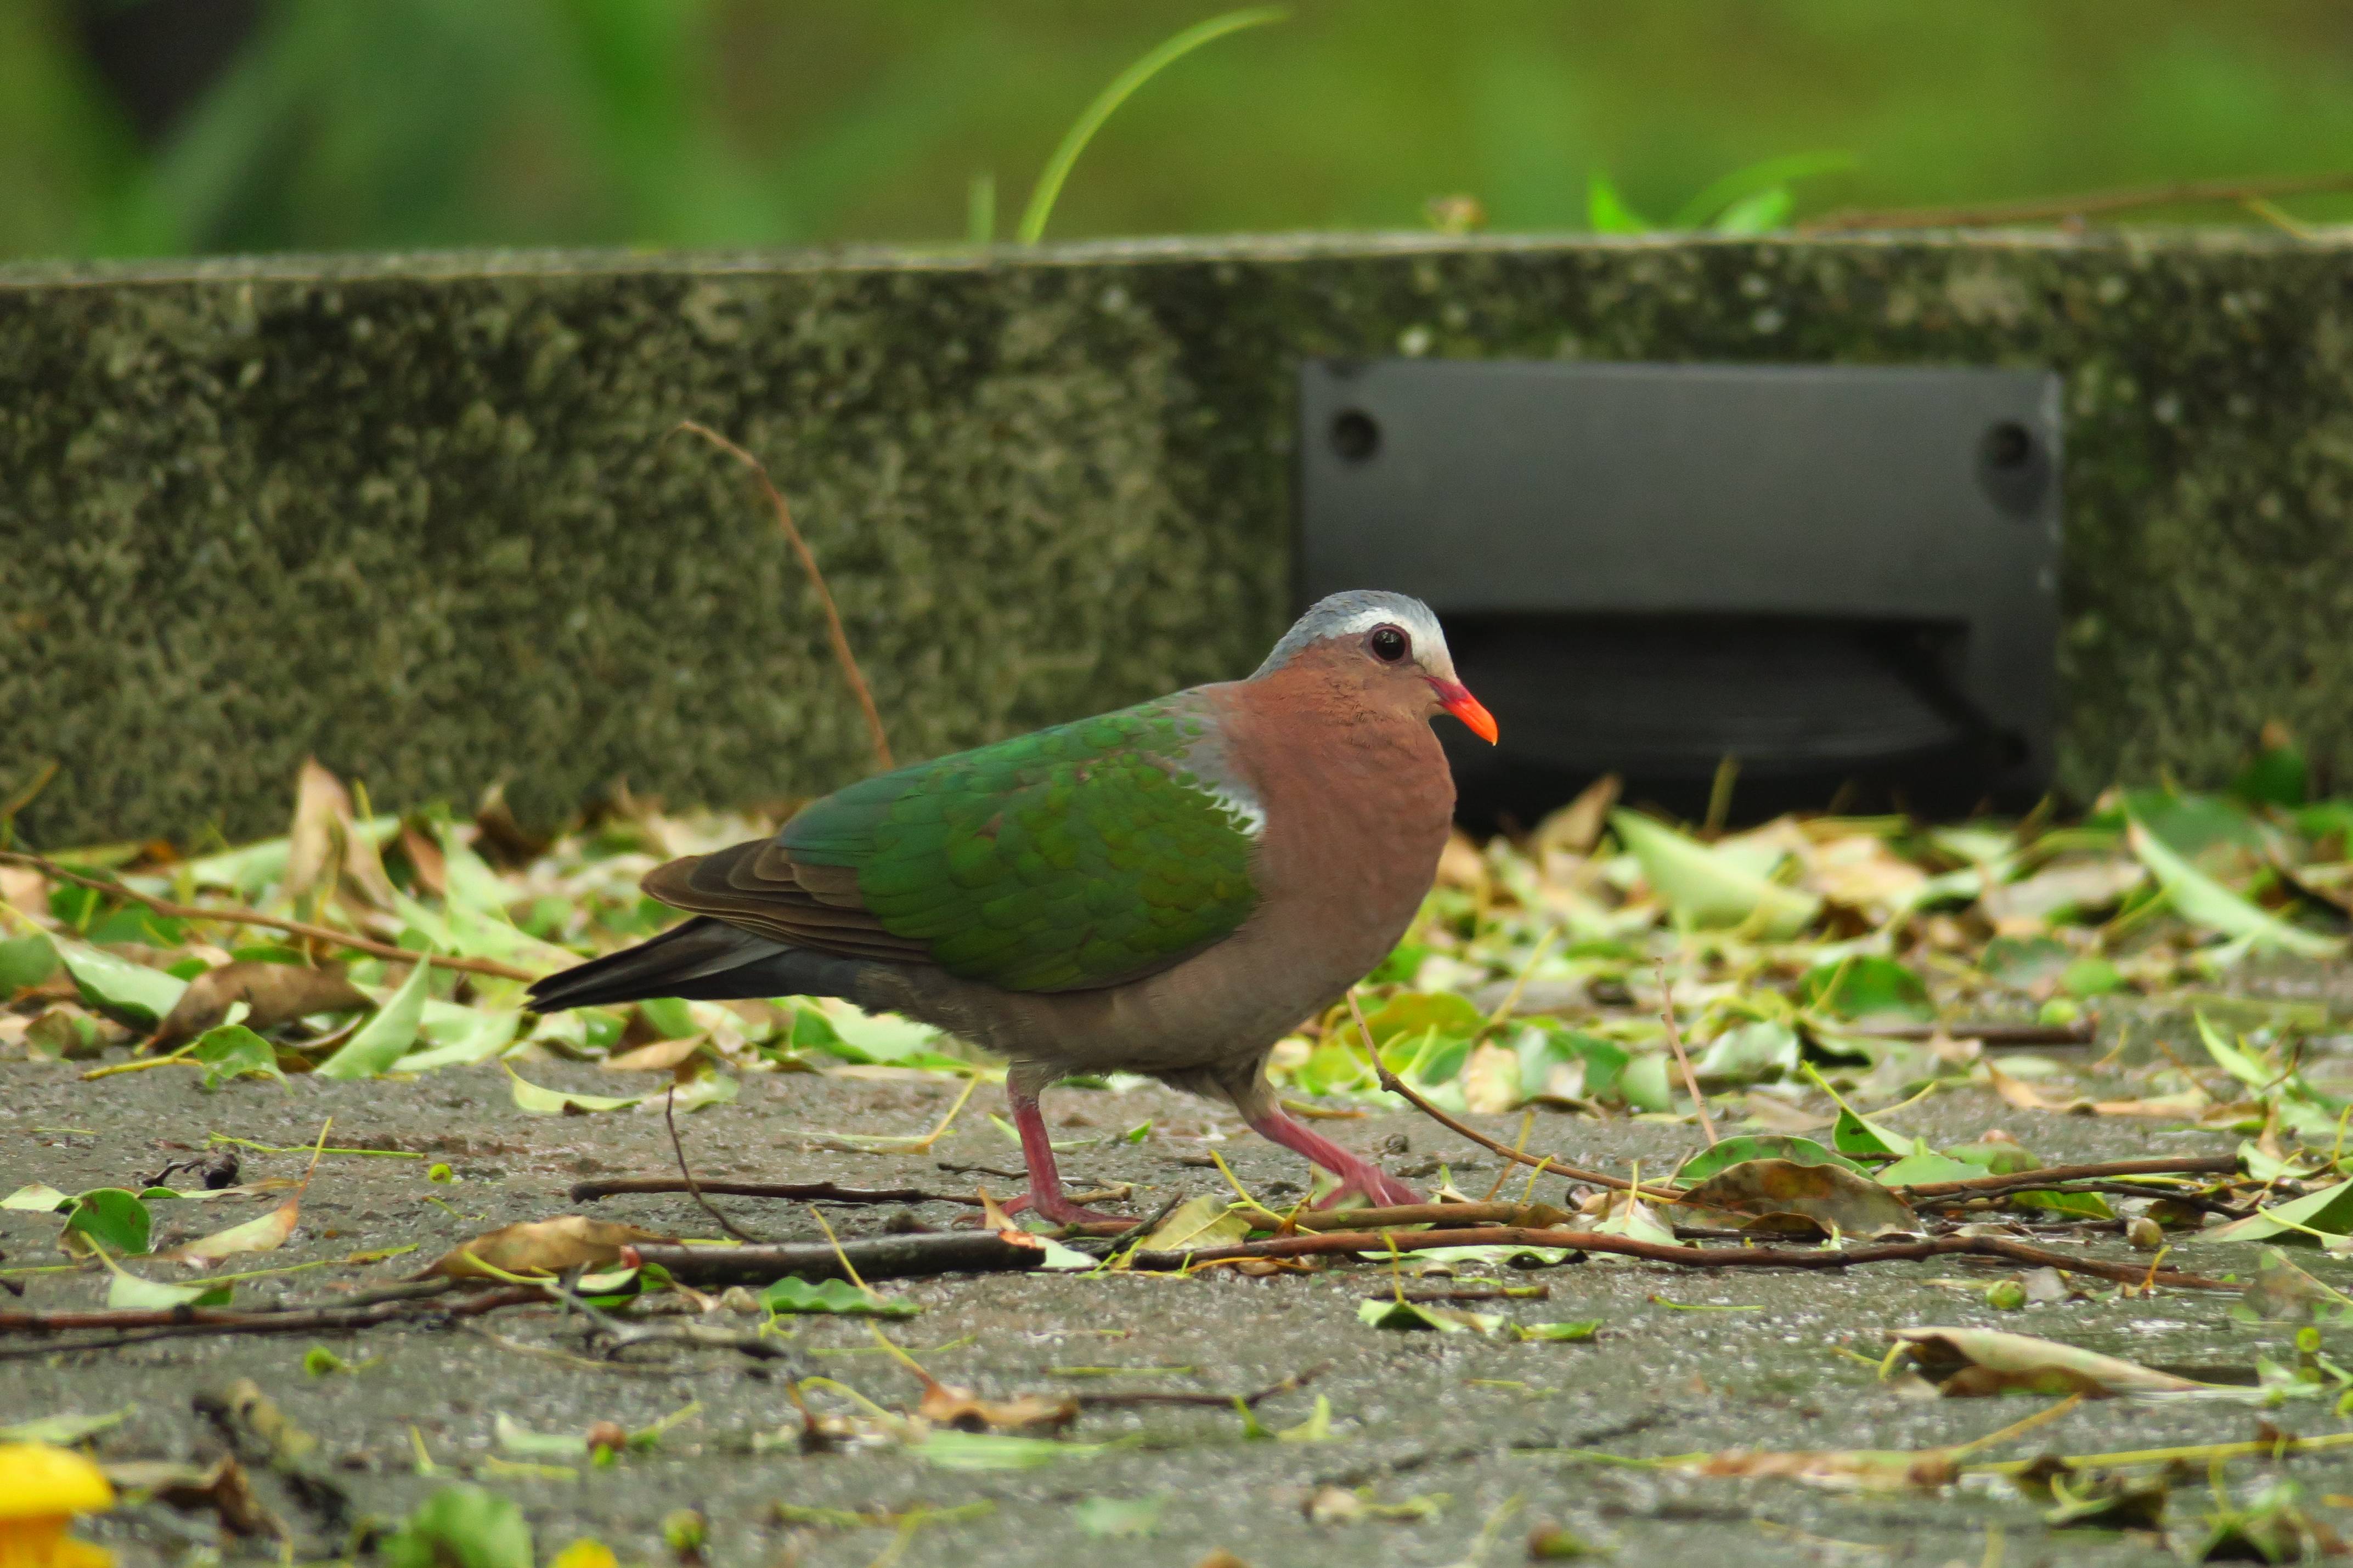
(1387, 645)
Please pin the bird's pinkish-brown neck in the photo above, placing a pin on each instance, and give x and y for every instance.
(1357, 796)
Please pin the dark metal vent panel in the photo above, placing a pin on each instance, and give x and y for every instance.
(1824, 571)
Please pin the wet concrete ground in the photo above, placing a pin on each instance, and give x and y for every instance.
(1481, 1422)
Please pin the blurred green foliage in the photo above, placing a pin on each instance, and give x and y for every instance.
(389, 123)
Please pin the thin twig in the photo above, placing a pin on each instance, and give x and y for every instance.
(1451, 1216)
(135, 1326)
(2023, 1181)
(791, 1192)
(669, 1120)
(2081, 1034)
(1675, 1041)
(1396, 1085)
(1137, 1235)
(1383, 1242)
(1127, 1399)
(2044, 209)
(1512, 998)
(565, 1358)
(24, 797)
(700, 1336)
(49, 867)
(2052, 1175)
(876, 1257)
(833, 628)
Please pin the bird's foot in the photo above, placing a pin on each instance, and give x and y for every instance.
(1376, 1187)
(1062, 1211)
(1358, 1176)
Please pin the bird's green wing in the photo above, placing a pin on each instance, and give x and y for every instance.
(1075, 857)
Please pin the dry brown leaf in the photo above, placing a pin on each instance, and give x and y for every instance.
(499, 837)
(425, 857)
(223, 1486)
(365, 881)
(945, 1405)
(1261, 1268)
(2025, 907)
(2188, 1105)
(1967, 1363)
(24, 889)
(542, 1247)
(994, 1217)
(274, 995)
(1775, 1114)
(314, 844)
(1861, 871)
(1575, 828)
(2331, 884)
(2017, 1092)
(1827, 1196)
(267, 1234)
(660, 1056)
(1490, 1079)
(1856, 1469)
(1459, 864)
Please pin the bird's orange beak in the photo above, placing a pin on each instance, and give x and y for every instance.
(1456, 698)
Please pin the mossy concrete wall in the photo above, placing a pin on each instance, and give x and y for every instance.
(427, 518)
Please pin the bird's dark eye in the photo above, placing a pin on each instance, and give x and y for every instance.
(1388, 644)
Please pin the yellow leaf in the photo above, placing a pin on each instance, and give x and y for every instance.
(542, 1246)
(267, 1234)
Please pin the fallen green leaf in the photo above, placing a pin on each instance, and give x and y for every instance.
(2202, 900)
(2075, 1205)
(792, 1294)
(35, 1197)
(1864, 987)
(234, 1051)
(112, 1219)
(513, 1437)
(1921, 1168)
(1419, 1317)
(1705, 887)
(1104, 1516)
(2328, 1211)
(385, 1038)
(480, 1035)
(131, 992)
(65, 1428)
(2234, 1059)
(127, 1291)
(954, 1450)
(1759, 1146)
(530, 1098)
(1563, 1333)
(25, 960)
(461, 1527)
(1316, 1428)
(320, 1361)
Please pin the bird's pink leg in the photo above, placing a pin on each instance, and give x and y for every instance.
(1356, 1175)
(1045, 1195)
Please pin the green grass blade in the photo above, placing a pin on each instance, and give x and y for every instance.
(1606, 211)
(1074, 140)
(1741, 183)
(980, 210)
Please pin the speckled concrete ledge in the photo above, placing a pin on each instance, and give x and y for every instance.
(423, 517)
